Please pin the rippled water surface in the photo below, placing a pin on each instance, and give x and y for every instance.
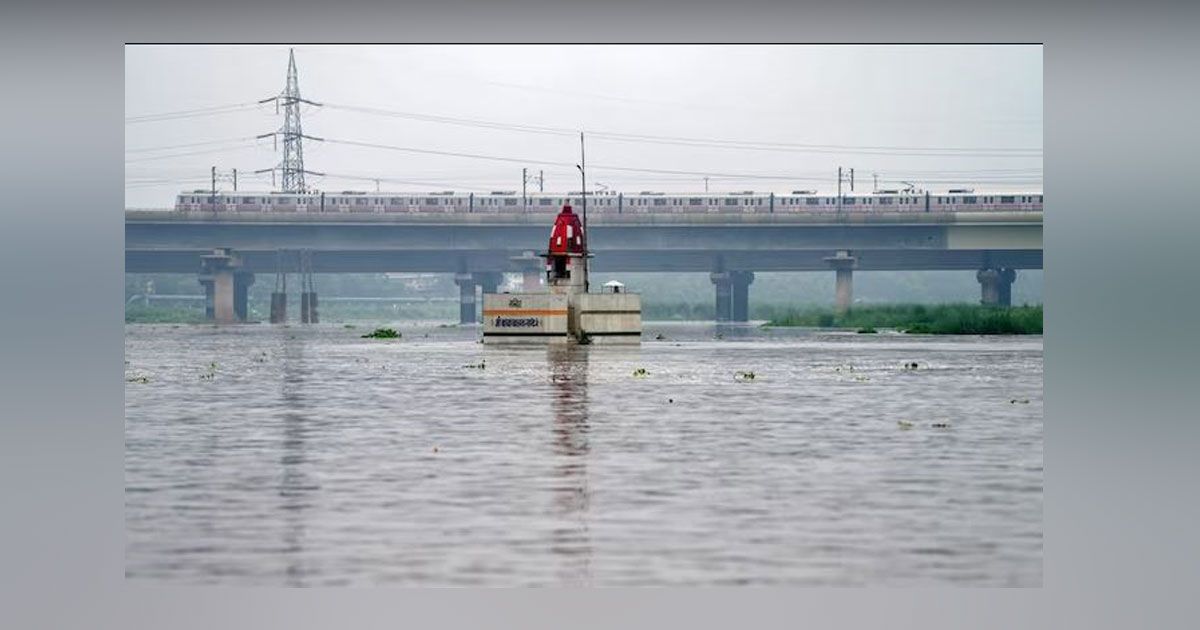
(310, 456)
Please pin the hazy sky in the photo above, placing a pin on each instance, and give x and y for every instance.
(750, 117)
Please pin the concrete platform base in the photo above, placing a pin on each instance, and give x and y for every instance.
(552, 318)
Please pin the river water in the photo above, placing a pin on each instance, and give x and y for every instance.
(267, 455)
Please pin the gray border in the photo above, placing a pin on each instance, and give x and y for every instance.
(1121, 393)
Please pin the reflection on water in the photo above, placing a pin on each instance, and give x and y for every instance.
(267, 455)
(294, 483)
(568, 373)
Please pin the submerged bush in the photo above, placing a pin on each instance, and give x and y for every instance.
(940, 319)
(382, 333)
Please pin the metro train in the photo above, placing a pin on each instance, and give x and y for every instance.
(747, 202)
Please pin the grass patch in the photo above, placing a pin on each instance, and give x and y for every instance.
(139, 314)
(940, 319)
(382, 333)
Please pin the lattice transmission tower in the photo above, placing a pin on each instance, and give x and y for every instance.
(291, 167)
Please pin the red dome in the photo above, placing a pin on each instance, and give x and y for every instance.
(567, 235)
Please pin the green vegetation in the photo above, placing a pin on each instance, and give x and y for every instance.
(139, 314)
(382, 333)
(941, 319)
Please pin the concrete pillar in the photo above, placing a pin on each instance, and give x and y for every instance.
(223, 310)
(741, 281)
(489, 282)
(466, 297)
(723, 282)
(241, 294)
(843, 264)
(844, 289)
(308, 308)
(222, 266)
(278, 307)
(995, 286)
(1007, 276)
(207, 283)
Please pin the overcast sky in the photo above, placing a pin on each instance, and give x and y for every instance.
(749, 117)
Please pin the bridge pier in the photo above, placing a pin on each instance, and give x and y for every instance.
(207, 282)
(740, 281)
(219, 273)
(489, 281)
(308, 308)
(723, 281)
(843, 264)
(995, 286)
(279, 307)
(241, 294)
(466, 297)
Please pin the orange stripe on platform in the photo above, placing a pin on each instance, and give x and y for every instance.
(524, 311)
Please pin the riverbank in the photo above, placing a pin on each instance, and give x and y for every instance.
(938, 319)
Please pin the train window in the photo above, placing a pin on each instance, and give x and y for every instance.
(812, 201)
(731, 202)
(1039, 199)
(695, 201)
(969, 199)
(510, 202)
(545, 202)
(431, 201)
(849, 201)
(885, 201)
(660, 202)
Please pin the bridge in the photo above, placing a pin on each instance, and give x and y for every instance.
(227, 249)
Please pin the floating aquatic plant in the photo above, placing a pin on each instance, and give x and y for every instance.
(382, 333)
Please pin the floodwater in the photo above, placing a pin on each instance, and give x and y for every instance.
(267, 455)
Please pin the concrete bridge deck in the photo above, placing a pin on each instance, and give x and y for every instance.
(478, 246)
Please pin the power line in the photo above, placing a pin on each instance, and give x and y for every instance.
(703, 142)
(189, 113)
(188, 144)
(292, 101)
(168, 156)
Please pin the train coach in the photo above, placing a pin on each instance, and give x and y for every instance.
(645, 202)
